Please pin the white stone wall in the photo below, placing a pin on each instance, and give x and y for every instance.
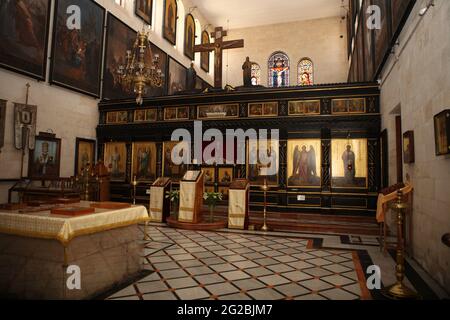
(319, 39)
(419, 82)
(69, 114)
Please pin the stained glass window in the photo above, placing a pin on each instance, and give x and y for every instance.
(256, 74)
(278, 70)
(305, 74)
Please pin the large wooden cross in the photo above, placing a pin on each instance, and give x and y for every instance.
(218, 46)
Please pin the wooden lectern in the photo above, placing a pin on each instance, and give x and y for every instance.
(238, 217)
(159, 204)
(191, 197)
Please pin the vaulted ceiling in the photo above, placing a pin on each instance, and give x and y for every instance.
(251, 13)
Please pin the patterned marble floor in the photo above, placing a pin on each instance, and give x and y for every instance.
(244, 266)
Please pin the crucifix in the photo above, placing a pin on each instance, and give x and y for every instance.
(218, 46)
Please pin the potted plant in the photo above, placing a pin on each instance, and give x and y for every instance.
(174, 197)
(211, 199)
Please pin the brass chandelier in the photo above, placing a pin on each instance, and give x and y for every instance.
(137, 74)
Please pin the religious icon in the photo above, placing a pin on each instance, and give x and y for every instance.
(77, 53)
(174, 171)
(339, 106)
(44, 160)
(170, 21)
(255, 110)
(304, 163)
(408, 147)
(24, 125)
(170, 113)
(151, 115)
(183, 113)
(278, 70)
(122, 116)
(442, 132)
(225, 176)
(218, 111)
(304, 107)
(355, 105)
(177, 77)
(139, 116)
(204, 56)
(111, 117)
(179, 113)
(24, 35)
(120, 38)
(189, 37)
(349, 163)
(84, 154)
(261, 164)
(209, 175)
(115, 158)
(144, 161)
(143, 9)
(267, 109)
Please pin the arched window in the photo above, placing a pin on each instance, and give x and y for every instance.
(305, 75)
(278, 70)
(256, 74)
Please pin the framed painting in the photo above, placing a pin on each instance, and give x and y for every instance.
(442, 132)
(119, 39)
(225, 176)
(189, 37)
(177, 77)
(209, 175)
(408, 147)
(170, 21)
(170, 169)
(349, 163)
(77, 53)
(218, 111)
(144, 10)
(24, 34)
(145, 115)
(346, 106)
(259, 169)
(176, 114)
(151, 91)
(267, 109)
(304, 163)
(304, 107)
(44, 160)
(144, 161)
(2, 123)
(205, 56)
(84, 154)
(115, 159)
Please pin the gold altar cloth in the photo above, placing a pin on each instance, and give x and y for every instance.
(237, 208)
(156, 204)
(45, 225)
(383, 200)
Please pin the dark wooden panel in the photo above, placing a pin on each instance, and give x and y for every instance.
(382, 36)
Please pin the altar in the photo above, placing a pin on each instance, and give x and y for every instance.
(39, 251)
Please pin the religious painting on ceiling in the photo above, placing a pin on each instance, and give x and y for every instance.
(305, 72)
(304, 163)
(189, 37)
(119, 39)
(170, 21)
(84, 154)
(349, 163)
(170, 169)
(117, 117)
(145, 115)
(144, 161)
(399, 9)
(204, 56)
(24, 30)
(77, 53)
(368, 46)
(155, 51)
(304, 107)
(218, 111)
(115, 159)
(256, 74)
(176, 114)
(344, 106)
(278, 70)
(261, 165)
(382, 36)
(266, 109)
(442, 132)
(44, 160)
(144, 10)
(177, 77)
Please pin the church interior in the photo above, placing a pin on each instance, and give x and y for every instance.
(224, 150)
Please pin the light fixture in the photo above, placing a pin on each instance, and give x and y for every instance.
(141, 69)
(424, 10)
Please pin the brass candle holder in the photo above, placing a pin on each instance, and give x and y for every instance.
(134, 184)
(265, 188)
(399, 291)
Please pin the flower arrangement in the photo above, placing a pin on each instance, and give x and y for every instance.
(174, 197)
(212, 199)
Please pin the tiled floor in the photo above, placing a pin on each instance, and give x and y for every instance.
(226, 265)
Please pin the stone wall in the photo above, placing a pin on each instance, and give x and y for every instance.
(418, 86)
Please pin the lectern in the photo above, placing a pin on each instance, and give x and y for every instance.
(159, 204)
(191, 197)
(238, 217)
